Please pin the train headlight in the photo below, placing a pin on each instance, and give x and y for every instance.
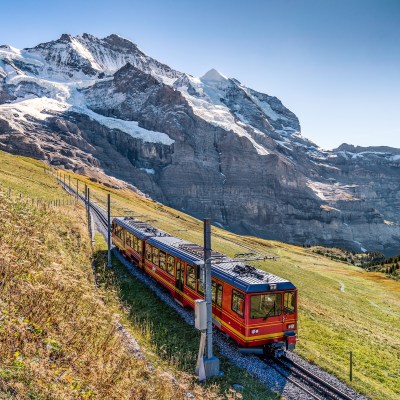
(291, 326)
(253, 331)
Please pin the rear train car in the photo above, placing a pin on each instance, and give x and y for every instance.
(255, 308)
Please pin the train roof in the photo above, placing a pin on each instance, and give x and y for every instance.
(235, 272)
(248, 278)
(178, 247)
(245, 277)
(142, 230)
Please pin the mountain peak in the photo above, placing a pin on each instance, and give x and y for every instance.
(121, 42)
(65, 37)
(89, 36)
(214, 76)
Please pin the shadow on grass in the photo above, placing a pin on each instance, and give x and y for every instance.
(172, 339)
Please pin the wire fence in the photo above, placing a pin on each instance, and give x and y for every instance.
(39, 202)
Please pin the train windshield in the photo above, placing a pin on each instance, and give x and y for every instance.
(265, 305)
(289, 302)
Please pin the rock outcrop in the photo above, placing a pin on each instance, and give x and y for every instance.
(209, 146)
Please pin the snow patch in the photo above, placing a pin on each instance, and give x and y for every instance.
(219, 115)
(265, 107)
(39, 108)
(43, 107)
(386, 222)
(149, 171)
(132, 128)
(363, 249)
(328, 166)
(84, 52)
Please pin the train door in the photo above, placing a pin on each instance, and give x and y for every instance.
(179, 270)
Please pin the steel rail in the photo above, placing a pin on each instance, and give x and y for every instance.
(294, 381)
(318, 383)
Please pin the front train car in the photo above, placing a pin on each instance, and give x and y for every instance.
(258, 309)
(255, 308)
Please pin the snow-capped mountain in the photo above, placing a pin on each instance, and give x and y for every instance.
(82, 57)
(208, 145)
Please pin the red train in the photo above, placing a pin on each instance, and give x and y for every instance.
(257, 309)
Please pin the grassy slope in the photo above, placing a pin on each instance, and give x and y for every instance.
(158, 328)
(58, 336)
(363, 317)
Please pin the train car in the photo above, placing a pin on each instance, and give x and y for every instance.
(129, 235)
(255, 308)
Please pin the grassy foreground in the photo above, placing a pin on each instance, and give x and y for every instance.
(342, 307)
(59, 331)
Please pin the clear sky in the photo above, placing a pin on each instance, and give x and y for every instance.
(334, 63)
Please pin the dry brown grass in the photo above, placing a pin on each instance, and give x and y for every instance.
(58, 340)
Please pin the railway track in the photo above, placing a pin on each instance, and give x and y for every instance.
(100, 213)
(309, 382)
(312, 385)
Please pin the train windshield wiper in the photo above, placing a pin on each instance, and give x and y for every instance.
(273, 308)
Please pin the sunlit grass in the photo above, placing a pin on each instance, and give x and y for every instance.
(363, 317)
(59, 336)
(342, 307)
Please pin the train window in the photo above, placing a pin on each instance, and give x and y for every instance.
(118, 231)
(155, 256)
(190, 277)
(134, 244)
(148, 252)
(289, 301)
(170, 265)
(214, 290)
(217, 293)
(129, 238)
(162, 260)
(200, 287)
(238, 302)
(139, 246)
(266, 305)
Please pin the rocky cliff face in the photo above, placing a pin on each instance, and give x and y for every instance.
(209, 145)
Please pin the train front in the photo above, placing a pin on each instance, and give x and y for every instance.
(272, 318)
(266, 305)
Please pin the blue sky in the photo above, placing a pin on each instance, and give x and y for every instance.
(334, 63)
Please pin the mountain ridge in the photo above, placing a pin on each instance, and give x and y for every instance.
(208, 145)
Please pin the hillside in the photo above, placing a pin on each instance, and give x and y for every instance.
(342, 307)
(203, 145)
(61, 335)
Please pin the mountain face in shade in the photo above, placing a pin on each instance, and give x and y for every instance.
(209, 145)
